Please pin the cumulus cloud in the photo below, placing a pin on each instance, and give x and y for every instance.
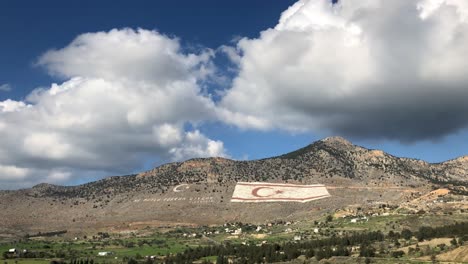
(232, 53)
(359, 68)
(365, 69)
(127, 54)
(11, 106)
(127, 95)
(5, 87)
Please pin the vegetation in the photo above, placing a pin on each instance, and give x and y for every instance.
(175, 247)
(458, 229)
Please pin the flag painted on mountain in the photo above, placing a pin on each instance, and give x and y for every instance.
(254, 192)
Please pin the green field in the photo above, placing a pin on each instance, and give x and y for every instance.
(27, 261)
(177, 241)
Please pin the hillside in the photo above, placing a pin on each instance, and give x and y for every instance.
(352, 174)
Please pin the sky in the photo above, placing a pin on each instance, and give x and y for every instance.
(98, 88)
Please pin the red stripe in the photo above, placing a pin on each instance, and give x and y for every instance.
(267, 198)
(280, 185)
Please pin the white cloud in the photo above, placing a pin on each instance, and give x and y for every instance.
(13, 177)
(232, 53)
(5, 87)
(197, 145)
(370, 69)
(12, 173)
(127, 95)
(58, 176)
(126, 54)
(361, 68)
(12, 106)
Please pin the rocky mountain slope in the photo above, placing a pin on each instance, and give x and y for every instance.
(352, 174)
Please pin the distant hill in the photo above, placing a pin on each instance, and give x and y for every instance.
(353, 174)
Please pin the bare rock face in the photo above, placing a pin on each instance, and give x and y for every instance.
(198, 191)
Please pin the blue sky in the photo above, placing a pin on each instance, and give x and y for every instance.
(303, 83)
(31, 28)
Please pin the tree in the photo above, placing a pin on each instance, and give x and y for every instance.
(141, 243)
(406, 234)
(130, 244)
(397, 243)
(453, 242)
(367, 251)
(319, 254)
(132, 261)
(221, 260)
(398, 254)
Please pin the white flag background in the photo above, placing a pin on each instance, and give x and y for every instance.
(254, 192)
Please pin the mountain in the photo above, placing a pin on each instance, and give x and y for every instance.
(352, 174)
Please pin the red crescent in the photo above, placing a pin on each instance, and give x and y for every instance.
(256, 190)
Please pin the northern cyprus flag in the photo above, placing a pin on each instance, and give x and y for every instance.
(255, 192)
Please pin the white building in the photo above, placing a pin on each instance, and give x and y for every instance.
(238, 231)
(362, 219)
(104, 253)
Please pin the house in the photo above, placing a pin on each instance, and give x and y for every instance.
(362, 219)
(13, 252)
(238, 231)
(105, 253)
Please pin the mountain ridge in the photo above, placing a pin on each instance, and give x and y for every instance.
(334, 142)
(352, 174)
